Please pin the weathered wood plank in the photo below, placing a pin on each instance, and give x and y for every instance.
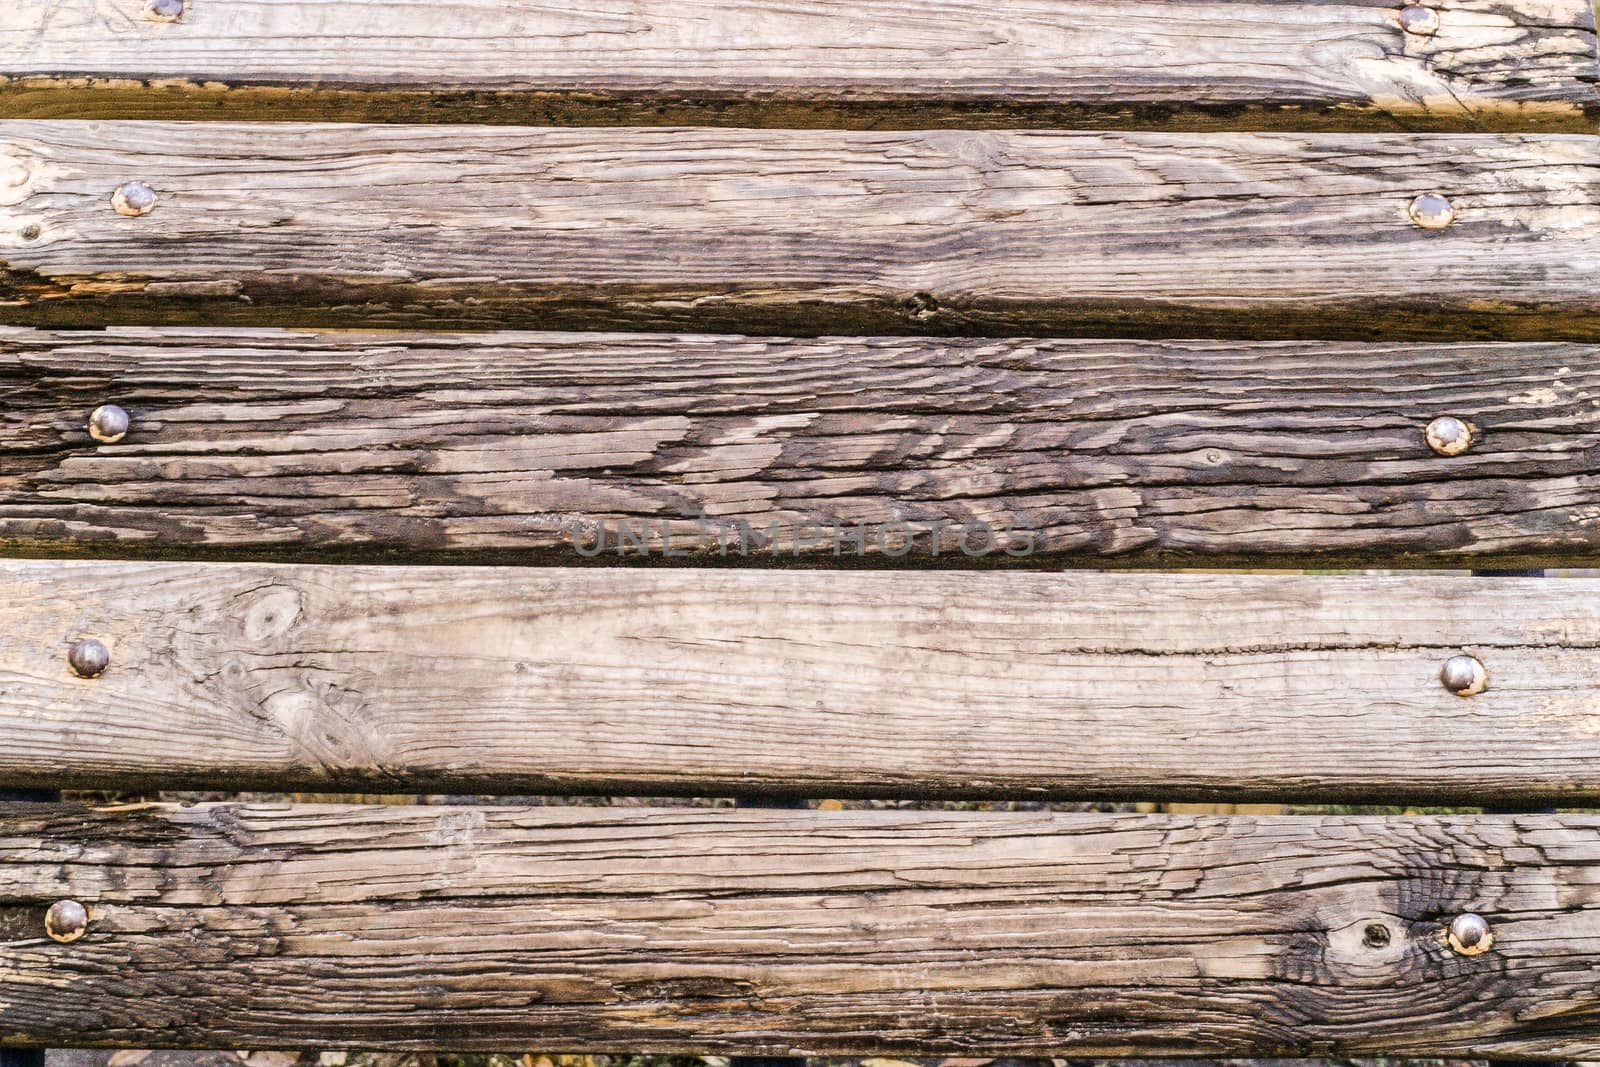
(1197, 64)
(550, 447)
(941, 232)
(819, 932)
(559, 680)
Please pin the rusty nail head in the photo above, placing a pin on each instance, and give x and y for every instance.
(1464, 676)
(66, 921)
(1470, 934)
(1420, 20)
(88, 658)
(133, 199)
(1432, 211)
(108, 424)
(1448, 435)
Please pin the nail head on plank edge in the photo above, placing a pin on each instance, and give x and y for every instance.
(1464, 676)
(1449, 436)
(1419, 20)
(66, 921)
(1469, 935)
(133, 199)
(108, 424)
(1432, 211)
(88, 658)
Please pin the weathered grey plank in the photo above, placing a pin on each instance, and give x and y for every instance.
(533, 446)
(1197, 64)
(762, 931)
(560, 680)
(942, 232)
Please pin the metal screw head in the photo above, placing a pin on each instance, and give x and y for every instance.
(164, 10)
(1422, 21)
(108, 424)
(1470, 935)
(1464, 676)
(133, 199)
(1432, 211)
(66, 921)
(1448, 436)
(88, 658)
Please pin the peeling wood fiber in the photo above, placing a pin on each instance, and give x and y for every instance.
(519, 447)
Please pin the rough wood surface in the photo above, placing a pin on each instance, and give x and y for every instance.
(821, 932)
(935, 232)
(539, 447)
(556, 680)
(1195, 64)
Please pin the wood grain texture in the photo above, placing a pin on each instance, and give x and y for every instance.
(1193, 65)
(811, 932)
(558, 680)
(934, 232)
(540, 447)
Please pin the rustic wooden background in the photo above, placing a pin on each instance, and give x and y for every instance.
(1004, 252)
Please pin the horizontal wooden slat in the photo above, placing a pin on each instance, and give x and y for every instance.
(777, 932)
(812, 683)
(518, 447)
(811, 232)
(1198, 64)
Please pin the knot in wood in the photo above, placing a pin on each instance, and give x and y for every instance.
(66, 921)
(923, 306)
(108, 424)
(88, 658)
(164, 10)
(1367, 948)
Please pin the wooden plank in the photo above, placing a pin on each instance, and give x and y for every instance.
(805, 932)
(554, 447)
(563, 680)
(937, 232)
(884, 63)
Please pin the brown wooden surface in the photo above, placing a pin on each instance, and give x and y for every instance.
(1197, 64)
(772, 931)
(894, 684)
(524, 446)
(934, 232)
